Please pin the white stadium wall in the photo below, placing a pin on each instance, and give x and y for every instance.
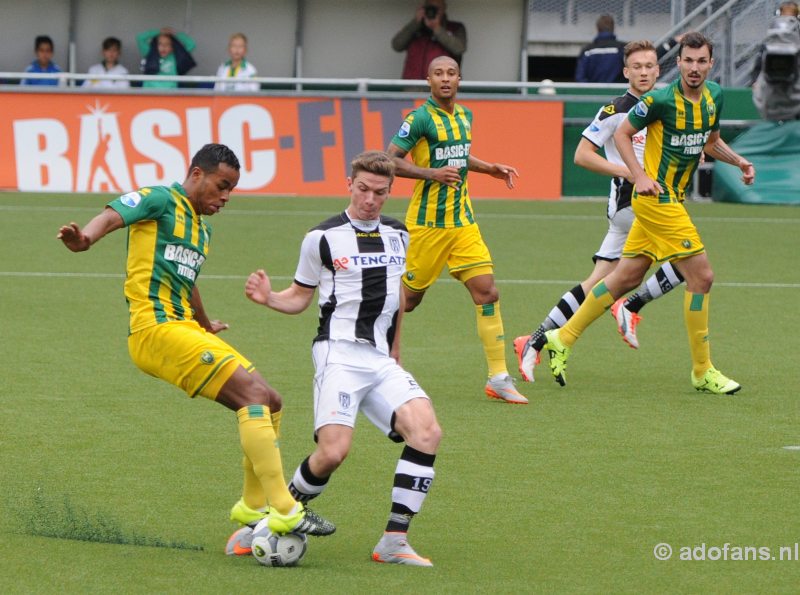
(344, 39)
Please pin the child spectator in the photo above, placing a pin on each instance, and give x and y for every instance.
(43, 62)
(165, 52)
(237, 67)
(112, 48)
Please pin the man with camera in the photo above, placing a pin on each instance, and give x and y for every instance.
(427, 36)
(776, 87)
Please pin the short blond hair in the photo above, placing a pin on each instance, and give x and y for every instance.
(642, 45)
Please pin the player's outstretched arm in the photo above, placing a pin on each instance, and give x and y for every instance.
(449, 176)
(212, 326)
(588, 157)
(643, 183)
(496, 170)
(292, 300)
(80, 240)
(719, 149)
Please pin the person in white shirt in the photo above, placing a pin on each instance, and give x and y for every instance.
(112, 48)
(237, 67)
(354, 261)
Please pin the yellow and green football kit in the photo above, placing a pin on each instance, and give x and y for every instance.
(440, 220)
(167, 245)
(677, 131)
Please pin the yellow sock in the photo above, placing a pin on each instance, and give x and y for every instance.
(597, 301)
(261, 447)
(252, 491)
(695, 313)
(490, 331)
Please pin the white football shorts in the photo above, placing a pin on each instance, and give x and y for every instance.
(618, 227)
(351, 377)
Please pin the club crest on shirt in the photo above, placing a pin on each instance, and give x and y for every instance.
(711, 109)
(131, 199)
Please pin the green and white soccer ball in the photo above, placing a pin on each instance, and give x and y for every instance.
(277, 550)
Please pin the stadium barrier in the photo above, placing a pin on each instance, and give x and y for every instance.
(76, 141)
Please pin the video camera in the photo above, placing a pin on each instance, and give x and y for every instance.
(781, 57)
(776, 92)
(431, 11)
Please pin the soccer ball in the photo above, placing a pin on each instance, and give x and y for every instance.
(277, 550)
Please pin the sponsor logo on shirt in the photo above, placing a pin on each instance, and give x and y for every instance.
(376, 260)
(456, 155)
(640, 109)
(189, 261)
(405, 129)
(594, 127)
(461, 150)
(131, 199)
(207, 358)
(692, 143)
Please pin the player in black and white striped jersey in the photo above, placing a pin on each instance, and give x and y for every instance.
(641, 70)
(356, 260)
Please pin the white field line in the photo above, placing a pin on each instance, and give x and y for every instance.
(50, 274)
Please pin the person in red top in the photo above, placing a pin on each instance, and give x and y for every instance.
(427, 36)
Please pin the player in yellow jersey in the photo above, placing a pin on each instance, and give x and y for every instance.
(172, 338)
(440, 219)
(682, 120)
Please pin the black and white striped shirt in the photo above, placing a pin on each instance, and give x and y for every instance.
(601, 134)
(358, 273)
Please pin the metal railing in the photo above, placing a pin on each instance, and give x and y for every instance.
(539, 90)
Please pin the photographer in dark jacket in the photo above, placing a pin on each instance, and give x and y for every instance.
(427, 36)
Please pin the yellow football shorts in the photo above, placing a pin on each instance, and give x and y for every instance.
(462, 249)
(661, 231)
(184, 354)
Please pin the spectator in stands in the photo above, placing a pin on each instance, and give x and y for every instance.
(112, 48)
(786, 9)
(166, 52)
(602, 60)
(237, 68)
(428, 35)
(43, 46)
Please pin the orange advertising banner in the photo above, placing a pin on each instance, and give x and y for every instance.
(63, 142)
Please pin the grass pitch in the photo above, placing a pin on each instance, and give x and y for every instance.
(112, 480)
